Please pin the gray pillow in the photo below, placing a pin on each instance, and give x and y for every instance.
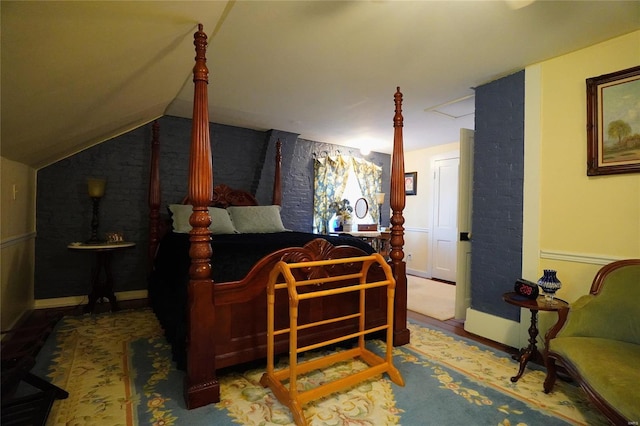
(180, 214)
(220, 220)
(256, 219)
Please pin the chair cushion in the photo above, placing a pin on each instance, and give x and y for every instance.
(610, 367)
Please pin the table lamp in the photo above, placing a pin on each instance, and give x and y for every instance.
(95, 188)
(380, 202)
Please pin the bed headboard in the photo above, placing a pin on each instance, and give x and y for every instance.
(225, 196)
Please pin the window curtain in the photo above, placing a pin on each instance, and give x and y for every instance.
(370, 181)
(329, 181)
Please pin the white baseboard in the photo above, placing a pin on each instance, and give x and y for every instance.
(495, 328)
(61, 302)
(418, 273)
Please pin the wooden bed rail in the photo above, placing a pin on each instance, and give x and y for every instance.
(291, 396)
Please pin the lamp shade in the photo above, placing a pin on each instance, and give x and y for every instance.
(380, 197)
(96, 187)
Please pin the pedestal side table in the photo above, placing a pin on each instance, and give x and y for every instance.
(534, 305)
(101, 289)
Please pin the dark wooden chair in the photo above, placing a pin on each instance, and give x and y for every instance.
(24, 405)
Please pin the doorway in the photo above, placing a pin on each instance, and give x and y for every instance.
(453, 184)
(445, 255)
(445, 217)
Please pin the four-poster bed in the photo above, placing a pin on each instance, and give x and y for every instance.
(222, 321)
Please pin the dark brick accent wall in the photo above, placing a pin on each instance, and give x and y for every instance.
(64, 210)
(242, 158)
(496, 256)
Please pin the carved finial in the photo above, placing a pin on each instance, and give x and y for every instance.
(397, 118)
(200, 71)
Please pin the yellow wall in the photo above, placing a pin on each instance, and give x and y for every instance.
(17, 232)
(571, 222)
(584, 221)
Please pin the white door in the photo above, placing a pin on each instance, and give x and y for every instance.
(445, 219)
(463, 274)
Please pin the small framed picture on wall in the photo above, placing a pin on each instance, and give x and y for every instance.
(410, 183)
(613, 123)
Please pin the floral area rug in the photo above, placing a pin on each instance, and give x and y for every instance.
(117, 369)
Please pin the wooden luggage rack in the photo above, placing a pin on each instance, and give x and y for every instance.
(290, 396)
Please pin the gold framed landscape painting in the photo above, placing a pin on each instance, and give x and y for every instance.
(613, 123)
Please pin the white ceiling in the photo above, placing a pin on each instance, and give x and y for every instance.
(78, 73)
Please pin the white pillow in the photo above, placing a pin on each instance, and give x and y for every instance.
(256, 219)
(220, 220)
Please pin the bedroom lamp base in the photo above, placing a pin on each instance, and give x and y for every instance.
(95, 223)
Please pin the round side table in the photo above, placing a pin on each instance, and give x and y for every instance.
(534, 305)
(101, 289)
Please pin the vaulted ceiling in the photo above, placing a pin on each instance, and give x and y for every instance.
(77, 73)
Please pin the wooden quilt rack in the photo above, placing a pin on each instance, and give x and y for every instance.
(341, 284)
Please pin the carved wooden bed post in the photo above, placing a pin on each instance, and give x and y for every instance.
(277, 186)
(397, 199)
(154, 194)
(201, 386)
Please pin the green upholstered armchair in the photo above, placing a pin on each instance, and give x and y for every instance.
(597, 341)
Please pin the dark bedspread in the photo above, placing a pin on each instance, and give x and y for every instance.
(233, 257)
(235, 254)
